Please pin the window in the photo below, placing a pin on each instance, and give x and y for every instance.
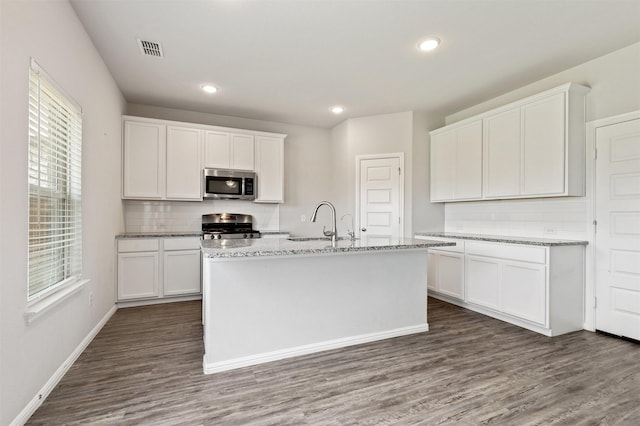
(55, 197)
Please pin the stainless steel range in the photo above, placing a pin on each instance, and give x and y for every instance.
(222, 226)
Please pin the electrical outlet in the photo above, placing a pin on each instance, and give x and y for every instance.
(550, 230)
(303, 218)
(91, 299)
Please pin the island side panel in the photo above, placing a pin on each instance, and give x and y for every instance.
(258, 309)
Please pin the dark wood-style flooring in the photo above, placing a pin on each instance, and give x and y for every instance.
(145, 368)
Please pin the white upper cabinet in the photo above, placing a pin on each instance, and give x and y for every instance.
(143, 160)
(544, 147)
(456, 163)
(502, 154)
(269, 168)
(242, 152)
(161, 162)
(217, 149)
(184, 169)
(226, 150)
(530, 148)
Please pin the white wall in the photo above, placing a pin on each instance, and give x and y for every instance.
(307, 156)
(427, 216)
(405, 132)
(51, 33)
(615, 89)
(379, 134)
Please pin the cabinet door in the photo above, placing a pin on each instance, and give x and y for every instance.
(468, 165)
(143, 160)
(270, 169)
(432, 271)
(544, 146)
(242, 152)
(184, 167)
(451, 275)
(501, 145)
(523, 291)
(443, 158)
(217, 149)
(181, 272)
(138, 275)
(483, 281)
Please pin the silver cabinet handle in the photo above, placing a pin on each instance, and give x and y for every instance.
(363, 229)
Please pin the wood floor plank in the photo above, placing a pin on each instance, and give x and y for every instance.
(145, 368)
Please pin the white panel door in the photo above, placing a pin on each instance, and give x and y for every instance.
(618, 229)
(380, 196)
(184, 165)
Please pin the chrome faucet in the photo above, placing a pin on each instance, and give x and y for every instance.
(351, 233)
(333, 233)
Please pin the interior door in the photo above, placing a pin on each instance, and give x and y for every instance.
(380, 197)
(617, 241)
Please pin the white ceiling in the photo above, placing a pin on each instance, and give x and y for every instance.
(291, 60)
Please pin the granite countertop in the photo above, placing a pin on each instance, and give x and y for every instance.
(306, 246)
(505, 239)
(128, 235)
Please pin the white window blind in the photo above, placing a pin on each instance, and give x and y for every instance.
(55, 195)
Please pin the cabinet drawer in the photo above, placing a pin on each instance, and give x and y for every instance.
(507, 251)
(138, 244)
(182, 243)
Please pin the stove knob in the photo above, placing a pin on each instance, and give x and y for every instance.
(246, 236)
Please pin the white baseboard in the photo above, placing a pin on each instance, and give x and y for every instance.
(216, 367)
(134, 303)
(44, 392)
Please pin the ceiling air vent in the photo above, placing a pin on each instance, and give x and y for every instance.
(150, 48)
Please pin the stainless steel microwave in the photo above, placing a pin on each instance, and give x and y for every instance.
(223, 184)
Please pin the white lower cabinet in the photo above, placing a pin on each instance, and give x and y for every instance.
(540, 288)
(138, 275)
(483, 281)
(523, 291)
(158, 269)
(445, 269)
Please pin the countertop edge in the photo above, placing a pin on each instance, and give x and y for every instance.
(215, 253)
(504, 239)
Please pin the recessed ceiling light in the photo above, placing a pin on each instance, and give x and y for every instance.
(337, 109)
(208, 88)
(429, 44)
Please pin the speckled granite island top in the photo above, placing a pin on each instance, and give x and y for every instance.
(129, 235)
(504, 239)
(305, 246)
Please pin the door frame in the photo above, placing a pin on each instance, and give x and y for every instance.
(590, 253)
(359, 158)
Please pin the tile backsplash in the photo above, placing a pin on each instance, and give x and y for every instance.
(543, 218)
(183, 216)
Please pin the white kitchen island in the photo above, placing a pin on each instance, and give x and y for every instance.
(268, 299)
